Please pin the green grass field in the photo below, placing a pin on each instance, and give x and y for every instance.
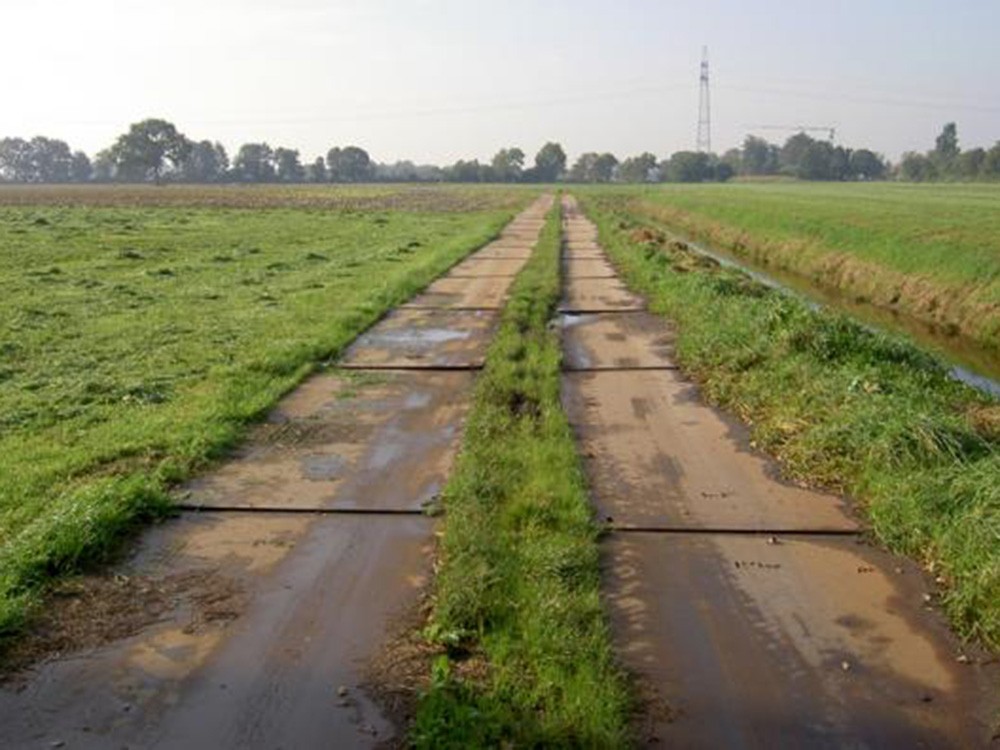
(929, 251)
(840, 406)
(140, 331)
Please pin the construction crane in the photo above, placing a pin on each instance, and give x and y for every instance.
(832, 131)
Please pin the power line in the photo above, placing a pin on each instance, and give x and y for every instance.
(876, 100)
(583, 97)
(417, 111)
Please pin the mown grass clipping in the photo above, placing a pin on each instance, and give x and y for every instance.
(518, 583)
(841, 406)
(137, 339)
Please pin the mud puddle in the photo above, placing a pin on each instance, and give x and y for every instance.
(384, 442)
(425, 338)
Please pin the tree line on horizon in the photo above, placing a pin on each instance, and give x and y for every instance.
(154, 150)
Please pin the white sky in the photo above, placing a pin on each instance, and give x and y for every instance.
(437, 80)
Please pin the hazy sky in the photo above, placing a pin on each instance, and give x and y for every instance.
(436, 80)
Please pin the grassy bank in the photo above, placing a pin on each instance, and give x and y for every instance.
(840, 406)
(519, 583)
(137, 340)
(928, 251)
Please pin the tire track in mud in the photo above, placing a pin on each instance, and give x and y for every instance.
(280, 579)
(752, 612)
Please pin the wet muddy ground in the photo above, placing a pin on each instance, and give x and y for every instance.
(752, 612)
(377, 441)
(257, 610)
(425, 338)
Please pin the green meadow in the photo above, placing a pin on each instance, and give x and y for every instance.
(931, 252)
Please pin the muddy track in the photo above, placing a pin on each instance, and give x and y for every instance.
(752, 612)
(260, 607)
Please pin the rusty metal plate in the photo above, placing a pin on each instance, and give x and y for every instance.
(599, 341)
(503, 252)
(657, 456)
(598, 295)
(588, 268)
(488, 267)
(753, 642)
(575, 253)
(479, 292)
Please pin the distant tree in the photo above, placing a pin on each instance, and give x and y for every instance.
(946, 151)
(733, 158)
(15, 160)
(759, 157)
(205, 162)
(550, 163)
(816, 162)
(840, 163)
(990, 168)
(350, 164)
(104, 166)
(508, 164)
(407, 171)
(316, 172)
(80, 168)
(149, 147)
(254, 162)
(916, 167)
(866, 165)
(463, 171)
(39, 160)
(487, 173)
(583, 168)
(724, 171)
(429, 173)
(604, 167)
(970, 163)
(793, 151)
(51, 160)
(637, 168)
(593, 167)
(400, 171)
(288, 166)
(688, 166)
